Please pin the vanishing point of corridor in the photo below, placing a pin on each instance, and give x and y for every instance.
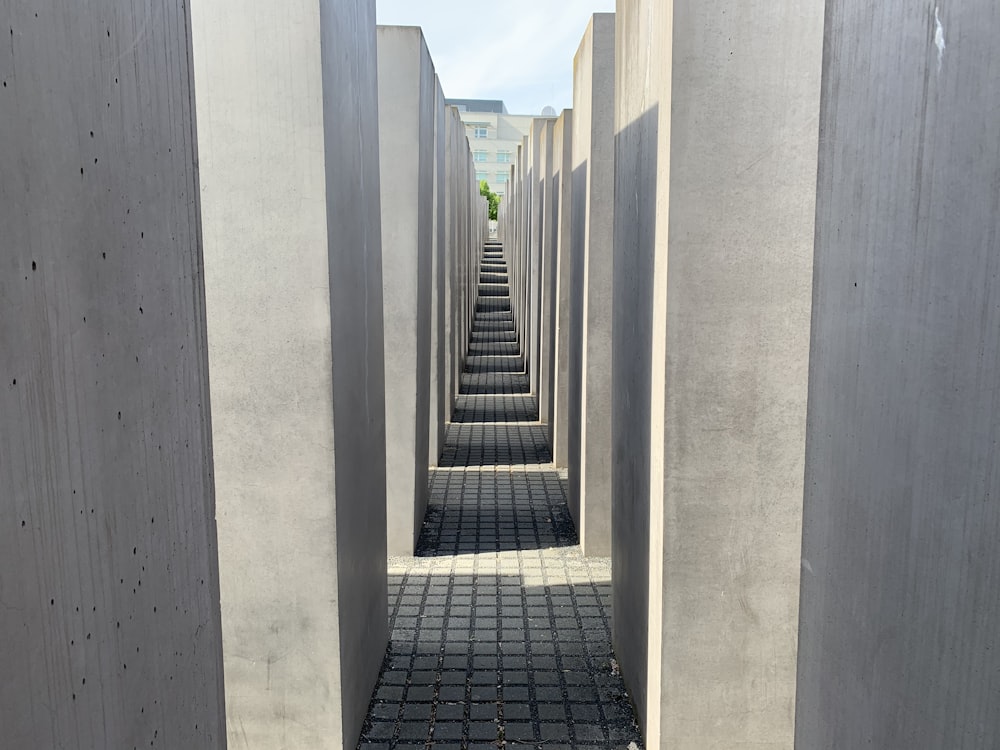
(500, 627)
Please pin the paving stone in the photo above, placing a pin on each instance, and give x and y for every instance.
(518, 731)
(413, 730)
(479, 730)
(417, 711)
(381, 730)
(552, 712)
(557, 732)
(450, 711)
(448, 730)
(480, 711)
(516, 711)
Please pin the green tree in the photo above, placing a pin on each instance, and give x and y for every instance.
(493, 198)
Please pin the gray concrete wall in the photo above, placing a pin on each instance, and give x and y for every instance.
(716, 141)
(455, 132)
(547, 292)
(593, 154)
(539, 140)
(109, 617)
(289, 177)
(440, 401)
(406, 142)
(899, 623)
(562, 186)
(574, 362)
(524, 242)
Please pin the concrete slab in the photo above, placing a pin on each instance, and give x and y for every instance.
(406, 141)
(540, 136)
(716, 135)
(109, 593)
(562, 187)
(289, 174)
(440, 402)
(898, 638)
(455, 137)
(593, 156)
(547, 273)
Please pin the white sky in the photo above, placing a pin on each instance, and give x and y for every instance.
(520, 51)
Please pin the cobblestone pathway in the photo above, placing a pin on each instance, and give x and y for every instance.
(500, 628)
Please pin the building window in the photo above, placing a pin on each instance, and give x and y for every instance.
(480, 176)
(501, 177)
(479, 156)
(480, 132)
(503, 157)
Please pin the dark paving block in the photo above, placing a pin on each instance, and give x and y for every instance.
(414, 730)
(518, 731)
(450, 711)
(480, 730)
(448, 730)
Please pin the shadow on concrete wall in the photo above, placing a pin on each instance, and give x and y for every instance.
(575, 369)
(632, 351)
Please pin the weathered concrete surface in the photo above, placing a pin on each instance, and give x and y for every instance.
(455, 134)
(546, 244)
(289, 173)
(406, 141)
(593, 154)
(109, 618)
(899, 626)
(524, 242)
(440, 402)
(713, 260)
(540, 147)
(562, 187)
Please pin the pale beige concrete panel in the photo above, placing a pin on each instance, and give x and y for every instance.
(594, 163)
(406, 93)
(440, 401)
(563, 216)
(288, 143)
(546, 244)
(716, 130)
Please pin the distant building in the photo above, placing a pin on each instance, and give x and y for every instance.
(494, 136)
(479, 105)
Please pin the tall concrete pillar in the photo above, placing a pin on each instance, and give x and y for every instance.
(288, 152)
(524, 242)
(455, 138)
(546, 275)
(898, 644)
(716, 136)
(562, 187)
(406, 148)
(109, 600)
(541, 135)
(440, 401)
(593, 157)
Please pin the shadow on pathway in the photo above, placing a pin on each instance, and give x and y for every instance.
(500, 628)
